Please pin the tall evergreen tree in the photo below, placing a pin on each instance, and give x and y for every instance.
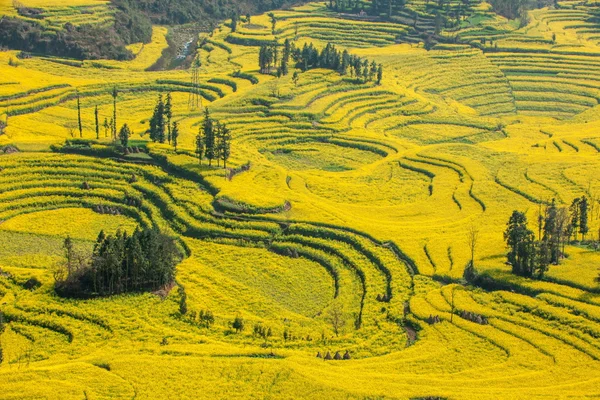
(115, 94)
(273, 22)
(209, 137)
(520, 241)
(175, 135)
(200, 145)
(583, 217)
(218, 129)
(225, 144)
(345, 62)
(575, 216)
(124, 135)
(97, 123)
(373, 71)
(366, 71)
(379, 74)
(157, 122)
(106, 127)
(542, 259)
(285, 58)
(234, 22)
(168, 115)
(79, 115)
(551, 231)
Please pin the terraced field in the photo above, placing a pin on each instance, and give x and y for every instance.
(54, 14)
(342, 200)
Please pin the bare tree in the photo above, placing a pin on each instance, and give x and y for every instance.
(336, 318)
(71, 128)
(473, 239)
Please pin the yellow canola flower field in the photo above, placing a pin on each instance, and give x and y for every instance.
(340, 226)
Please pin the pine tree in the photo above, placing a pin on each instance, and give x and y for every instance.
(344, 63)
(238, 324)
(551, 231)
(161, 120)
(124, 135)
(285, 59)
(175, 134)
(295, 78)
(520, 241)
(575, 216)
(357, 67)
(209, 137)
(154, 124)
(542, 259)
(273, 22)
(106, 127)
(183, 309)
(234, 22)
(79, 116)
(379, 74)
(97, 123)
(225, 145)
(115, 94)
(583, 217)
(168, 115)
(200, 145)
(218, 129)
(261, 59)
(373, 71)
(157, 122)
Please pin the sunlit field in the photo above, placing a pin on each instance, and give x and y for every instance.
(349, 198)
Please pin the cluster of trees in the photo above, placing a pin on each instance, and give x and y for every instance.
(84, 42)
(121, 263)
(329, 57)
(530, 257)
(121, 136)
(133, 21)
(161, 128)
(202, 11)
(510, 9)
(124, 134)
(213, 141)
(109, 126)
(262, 331)
(309, 57)
(203, 318)
(268, 58)
(377, 7)
(389, 7)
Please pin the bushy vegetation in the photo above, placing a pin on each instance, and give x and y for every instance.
(142, 261)
(84, 42)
